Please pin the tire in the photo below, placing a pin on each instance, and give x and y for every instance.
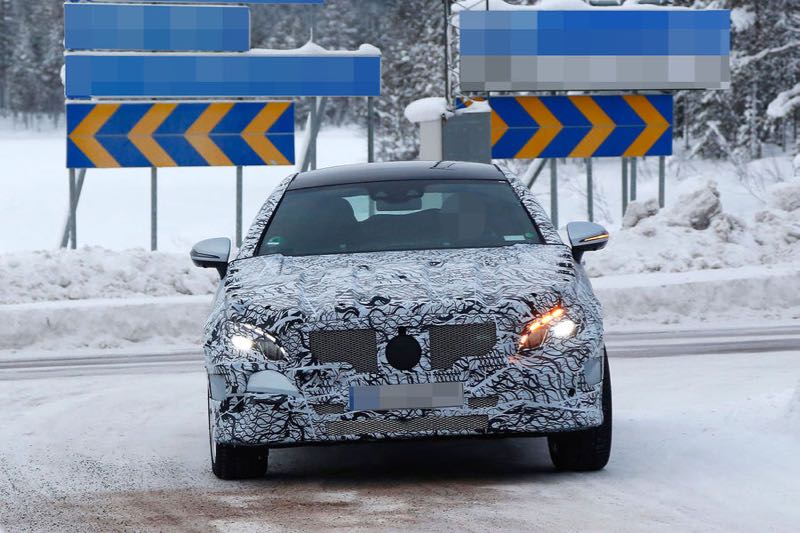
(587, 450)
(231, 462)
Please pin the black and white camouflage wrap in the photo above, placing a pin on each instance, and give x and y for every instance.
(555, 388)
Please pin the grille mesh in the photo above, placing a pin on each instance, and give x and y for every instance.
(483, 402)
(414, 425)
(450, 343)
(328, 409)
(358, 347)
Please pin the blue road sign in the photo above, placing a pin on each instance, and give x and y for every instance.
(179, 134)
(528, 127)
(156, 27)
(222, 75)
(594, 50)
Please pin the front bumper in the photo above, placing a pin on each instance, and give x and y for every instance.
(538, 399)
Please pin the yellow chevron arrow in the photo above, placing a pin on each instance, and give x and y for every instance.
(499, 127)
(655, 123)
(602, 126)
(255, 133)
(84, 136)
(142, 135)
(549, 127)
(198, 134)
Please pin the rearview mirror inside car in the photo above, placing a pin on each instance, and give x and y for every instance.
(212, 253)
(586, 237)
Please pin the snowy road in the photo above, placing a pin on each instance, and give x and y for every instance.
(702, 442)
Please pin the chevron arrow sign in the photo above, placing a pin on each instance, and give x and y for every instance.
(180, 134)
(528, 127)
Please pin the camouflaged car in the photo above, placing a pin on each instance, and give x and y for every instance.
(404, 300)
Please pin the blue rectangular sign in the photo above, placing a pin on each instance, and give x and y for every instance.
(222, 75)
(156, 28)
(594, 50)
(179, 134)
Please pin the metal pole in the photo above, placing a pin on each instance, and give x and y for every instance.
(554, 192)
(634, 172)
(153, 209)
(589, 190)
(314, 131)
(239, 202)
(65, 236)
(447, 90)
(370, 129)
(662, 182)
(314, 127)
(624, 186)
(73, 210)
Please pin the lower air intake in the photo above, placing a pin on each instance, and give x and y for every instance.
(357, 347)
(451, 343)
(483, 402)
(408, 427)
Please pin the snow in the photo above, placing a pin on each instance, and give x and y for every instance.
(695, 233)
(114, 211)
(749, 212)
(784, 103)
(426, 110)
(742, 18)
(174, 321)
(309, 49)
(95, 272)
(701, 443)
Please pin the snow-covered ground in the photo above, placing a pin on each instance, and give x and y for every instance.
(730, 234)
(702, 443)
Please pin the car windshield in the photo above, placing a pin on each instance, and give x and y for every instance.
(398, 215)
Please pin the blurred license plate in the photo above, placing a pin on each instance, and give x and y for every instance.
(411, 396)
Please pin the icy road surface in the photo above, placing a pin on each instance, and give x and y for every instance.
(706, 442)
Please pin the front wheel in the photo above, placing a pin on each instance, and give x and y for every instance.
(235, 462)
(589, 449)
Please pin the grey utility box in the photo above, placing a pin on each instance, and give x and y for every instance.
(460, 137)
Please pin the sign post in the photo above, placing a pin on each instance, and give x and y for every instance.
(153, 209)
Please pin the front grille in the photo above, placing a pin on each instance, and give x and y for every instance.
(483, 403)
(415, 425)
(450, 343)
(328, 409)
(357, 347)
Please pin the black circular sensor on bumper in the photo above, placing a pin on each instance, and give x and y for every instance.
(403, 352)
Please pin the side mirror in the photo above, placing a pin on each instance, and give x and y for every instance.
(212, 253)
(586, 237)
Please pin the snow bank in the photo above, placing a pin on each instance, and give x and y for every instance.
(158, 323)
(99, 273)
(103, 324)
(696, 233)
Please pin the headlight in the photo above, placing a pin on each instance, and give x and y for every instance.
(554, 322)
(249, 338)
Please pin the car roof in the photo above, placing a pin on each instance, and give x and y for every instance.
(401, 170)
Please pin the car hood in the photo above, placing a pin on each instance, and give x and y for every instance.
(322, 287)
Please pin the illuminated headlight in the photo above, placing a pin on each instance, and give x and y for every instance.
(242, 343)
(555, 322)
(564, 329)
(248, 338)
